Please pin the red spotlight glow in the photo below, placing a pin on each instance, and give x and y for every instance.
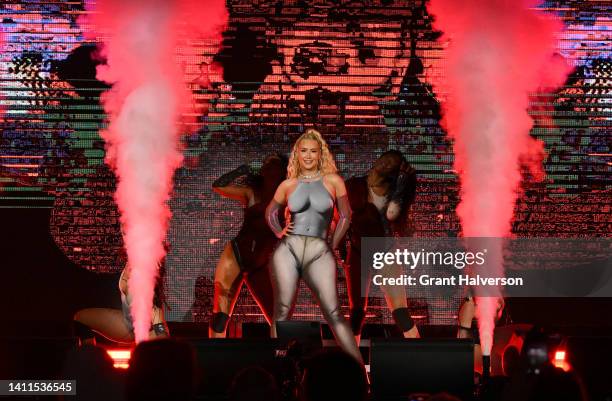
(121, 357)
(560, 361)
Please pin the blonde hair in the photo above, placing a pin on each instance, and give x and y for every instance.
(326, 160)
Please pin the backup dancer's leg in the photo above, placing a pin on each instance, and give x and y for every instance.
(260, 286)
(398, 304)
(358, 302)
(284, 275)
(228, 281)
(320, 276)
(466, 314)
(109, 323)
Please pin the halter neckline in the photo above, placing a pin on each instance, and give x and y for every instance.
(307, 180)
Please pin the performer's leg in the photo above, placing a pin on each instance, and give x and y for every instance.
(465, 318)
(466, 314)
(284, 275)
(260, 286)
(398, 305)
(85, 334)
(358, 302)
(109, 323)
(320, 276)
(228, 281)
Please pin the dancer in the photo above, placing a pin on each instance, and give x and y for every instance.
(245, 258)
(117, 325)
(468, 325)
(380, 202)
(310, 191)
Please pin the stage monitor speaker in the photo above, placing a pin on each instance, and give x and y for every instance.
(34, 357)
(220, 359)
(402, 367)
(255, 330)
(307, 334)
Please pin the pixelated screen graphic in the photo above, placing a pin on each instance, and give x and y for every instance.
(361, 71)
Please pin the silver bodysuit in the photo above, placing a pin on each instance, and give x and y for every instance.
(305, 253)
(311, 207)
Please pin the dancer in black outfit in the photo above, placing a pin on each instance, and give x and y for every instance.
(245, 258)
(380, 202)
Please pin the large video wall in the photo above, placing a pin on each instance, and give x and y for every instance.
(360, 71)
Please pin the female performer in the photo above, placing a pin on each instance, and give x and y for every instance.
(117, 325)
(381, 203)
(245, 258)
(310, 191)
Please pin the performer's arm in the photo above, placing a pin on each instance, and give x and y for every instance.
(274, 208)
(344, 212)
(123, 280)
(226, 185)
(404, 193)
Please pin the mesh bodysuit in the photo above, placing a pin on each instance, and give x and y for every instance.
(305, 253)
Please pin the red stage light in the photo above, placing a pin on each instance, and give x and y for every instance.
(121, 357)
(560, 360)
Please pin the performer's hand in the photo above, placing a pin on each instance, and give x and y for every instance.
(393, 210)
(406, 168)
(288, 229)
(501, 304)
(398, 197)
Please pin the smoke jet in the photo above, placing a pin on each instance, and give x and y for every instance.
(145, 107)
(499, 51)
(1, 50)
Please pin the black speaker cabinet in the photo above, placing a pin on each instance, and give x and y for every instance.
(219, 360)
(399, 367)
